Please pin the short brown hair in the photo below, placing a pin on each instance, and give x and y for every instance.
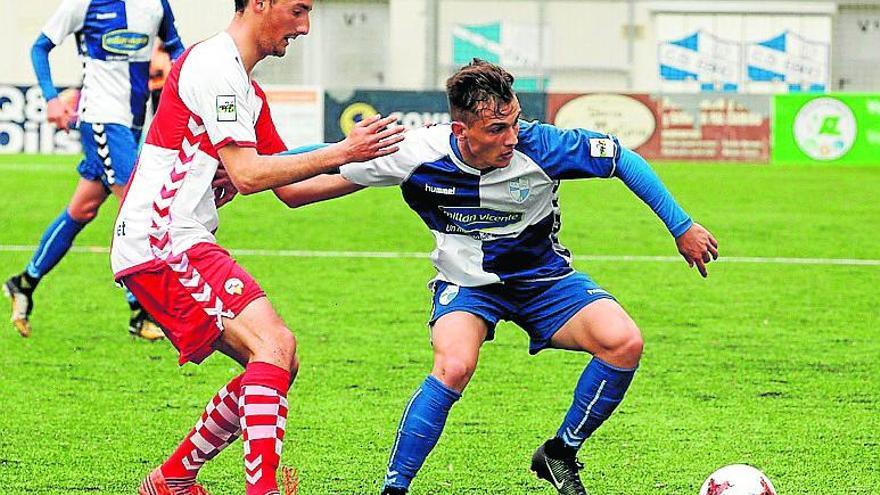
(476, 86)
(241, 4)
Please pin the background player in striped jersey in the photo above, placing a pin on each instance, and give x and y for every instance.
(165, 252)
(486, 186)
(115, 41)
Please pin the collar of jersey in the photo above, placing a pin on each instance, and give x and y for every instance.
(234, 47)
(456, 158)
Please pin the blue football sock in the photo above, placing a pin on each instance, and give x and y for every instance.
(598, 392)
(420, 428)
(54, 244)
(132, 301)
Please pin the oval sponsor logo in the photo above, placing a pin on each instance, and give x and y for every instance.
(825, 129)
(123, 41)
(623, 116)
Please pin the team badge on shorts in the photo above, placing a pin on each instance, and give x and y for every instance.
(448, 294)
(226, 111)
(519, 189)
(234, 287)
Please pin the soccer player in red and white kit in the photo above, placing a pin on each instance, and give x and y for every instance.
(164, 250)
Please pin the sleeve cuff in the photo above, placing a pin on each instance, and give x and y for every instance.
(681, 227)
(240, 144)
(351, 175)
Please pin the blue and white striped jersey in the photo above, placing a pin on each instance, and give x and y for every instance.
(495, 225)
(115, 39)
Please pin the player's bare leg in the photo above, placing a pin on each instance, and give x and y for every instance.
(253, 403)
(605, 330)
(456, 338)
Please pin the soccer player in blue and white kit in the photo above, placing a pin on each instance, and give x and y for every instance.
(486, 186)
(115, 41)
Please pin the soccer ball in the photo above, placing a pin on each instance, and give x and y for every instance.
(737, 479)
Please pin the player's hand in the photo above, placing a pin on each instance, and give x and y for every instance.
(224, 189)
(371, 138)
(697, 247)
(58, 113)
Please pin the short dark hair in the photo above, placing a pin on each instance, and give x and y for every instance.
(241, 4)
(476, 86)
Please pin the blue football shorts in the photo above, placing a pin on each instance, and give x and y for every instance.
(539, 308)
(110, 152)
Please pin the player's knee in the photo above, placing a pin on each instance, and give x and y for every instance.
(83, 213)
(276, 345)
(286, 344)
(454, 372)
(630, 343)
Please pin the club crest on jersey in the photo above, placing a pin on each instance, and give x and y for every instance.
(123, 41)
(226, 111)
(602, 148)
(519, 189)
(234, 287)
(448, 294)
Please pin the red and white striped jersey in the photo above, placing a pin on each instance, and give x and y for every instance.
(208, 102)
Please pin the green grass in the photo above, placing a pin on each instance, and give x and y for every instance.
(770, 364)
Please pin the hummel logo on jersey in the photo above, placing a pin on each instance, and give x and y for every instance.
(602, 148)
(450, 191)
(226, 111)
(105, 16)
(593, 292)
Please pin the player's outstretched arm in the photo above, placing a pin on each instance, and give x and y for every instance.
(695, 243)
(251, 173)
(320, 188)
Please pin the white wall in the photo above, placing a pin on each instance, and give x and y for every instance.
(22, 21)
(586, 44)
(585, 47)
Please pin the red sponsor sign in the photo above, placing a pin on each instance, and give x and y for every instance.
(699, 127)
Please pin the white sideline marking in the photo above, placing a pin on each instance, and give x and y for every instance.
(283, 253)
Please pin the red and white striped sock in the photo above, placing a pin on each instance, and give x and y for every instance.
(217, 428)
(263, 412)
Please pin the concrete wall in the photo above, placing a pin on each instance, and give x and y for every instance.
(21, 22)
(587, 45)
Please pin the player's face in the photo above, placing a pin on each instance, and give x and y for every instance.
(488, 141)
(284, 21)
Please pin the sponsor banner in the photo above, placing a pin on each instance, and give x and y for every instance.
(789, 58)
(744, 52)
(23, 126)
(701, 57)
(839, 129)
(509, 44)
(298, 113)
(412, 108)
(688, 127)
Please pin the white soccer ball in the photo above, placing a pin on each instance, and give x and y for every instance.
(737, 479)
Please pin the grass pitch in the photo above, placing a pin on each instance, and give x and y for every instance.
(770, 364)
